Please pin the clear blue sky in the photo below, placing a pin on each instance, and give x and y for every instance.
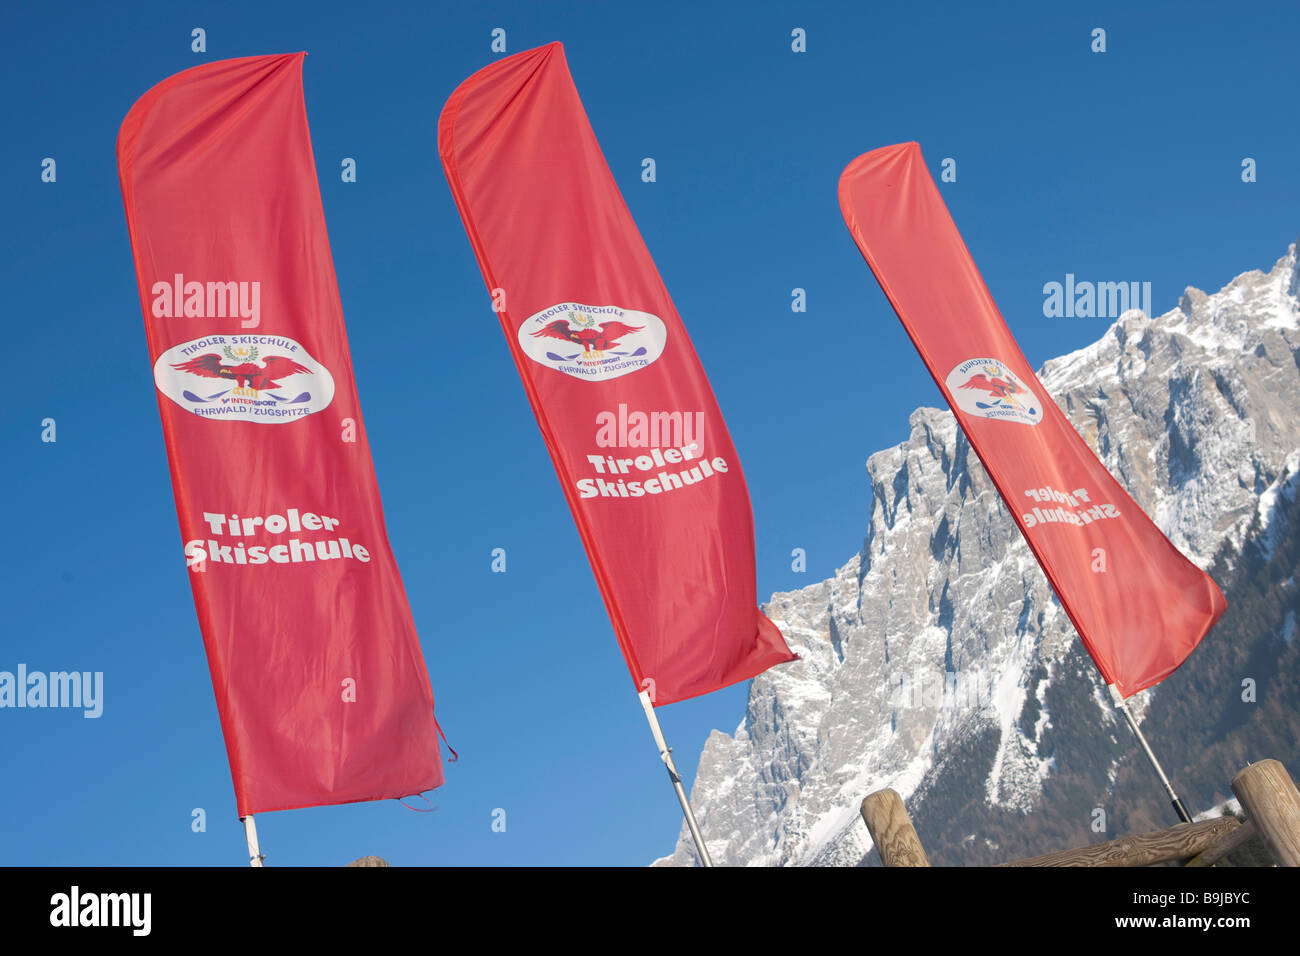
(1118, 166)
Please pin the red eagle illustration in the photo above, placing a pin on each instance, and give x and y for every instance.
(247, 375)
(594, 341)
(998, 387)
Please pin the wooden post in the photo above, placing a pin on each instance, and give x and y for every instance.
(891, 830)
(1176, 843)
(1270, 799)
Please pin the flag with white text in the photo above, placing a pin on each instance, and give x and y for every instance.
(1138, 604)
(640, 447)
(319, 678)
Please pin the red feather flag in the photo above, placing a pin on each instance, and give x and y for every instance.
(633, 429)
(1138, 604)
(320, 683)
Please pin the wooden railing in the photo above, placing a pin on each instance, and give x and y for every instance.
(1266, 791)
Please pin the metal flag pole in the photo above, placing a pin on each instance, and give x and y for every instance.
(255, 856)
(666, 755)
(1122, 704)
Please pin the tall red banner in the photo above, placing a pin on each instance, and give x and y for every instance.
(1138, 604)
(320, 683)
(640, 447)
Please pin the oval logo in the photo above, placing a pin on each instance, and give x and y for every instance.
(593, 342)
(267, 379)
(986, 387)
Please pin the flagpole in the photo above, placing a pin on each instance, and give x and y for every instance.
(666, 755)
(255, 856)
(1122, 704)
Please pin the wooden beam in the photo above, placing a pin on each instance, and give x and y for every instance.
(891, 830)
(1232, 840)
(1269, 797)
(1177, 843)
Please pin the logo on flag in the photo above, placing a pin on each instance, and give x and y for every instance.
(593, 343)
(986, 387)
(249, 378)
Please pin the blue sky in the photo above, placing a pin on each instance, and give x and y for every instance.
(1115, 166)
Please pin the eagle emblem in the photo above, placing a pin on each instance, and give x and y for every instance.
(1004, 398)
(247, 373)
(991, 381)
(596, 338)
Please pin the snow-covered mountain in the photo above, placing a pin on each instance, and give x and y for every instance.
(938, 662)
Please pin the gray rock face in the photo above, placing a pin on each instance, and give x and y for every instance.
(938, 645)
